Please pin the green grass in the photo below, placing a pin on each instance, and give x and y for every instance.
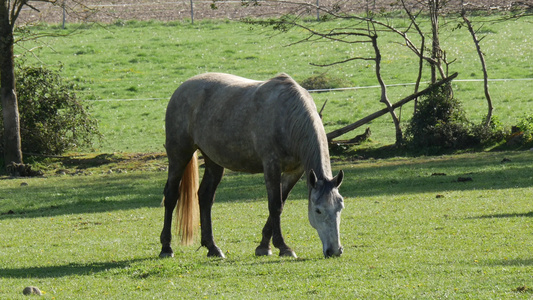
(406, 233)
(147, 60)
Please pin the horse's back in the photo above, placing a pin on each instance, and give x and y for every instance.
(235, 121)
(197, 88)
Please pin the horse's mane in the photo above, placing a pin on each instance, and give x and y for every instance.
(306, 133)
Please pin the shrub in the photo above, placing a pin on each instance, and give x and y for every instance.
(521, 135)
(52, 119)
(323, 81)
(525, 125)
(493, 134)
(439, 122)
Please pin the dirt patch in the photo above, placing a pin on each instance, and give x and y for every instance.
(110, 11)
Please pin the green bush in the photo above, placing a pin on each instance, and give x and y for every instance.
(525, 125)
(323, 81)
(439, 122)
(521, 136)
(52, 119)
(493, 134)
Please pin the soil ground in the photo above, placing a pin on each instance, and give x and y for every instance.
(109, 11)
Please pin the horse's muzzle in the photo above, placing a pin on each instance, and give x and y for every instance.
(330, 252)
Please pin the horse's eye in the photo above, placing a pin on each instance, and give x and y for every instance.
(318, 211)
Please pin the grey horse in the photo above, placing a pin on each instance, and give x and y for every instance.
(269, 127)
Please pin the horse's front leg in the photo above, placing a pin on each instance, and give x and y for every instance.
(264, 247)
(272, 228)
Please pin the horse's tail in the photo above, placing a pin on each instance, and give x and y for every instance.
(187, 210)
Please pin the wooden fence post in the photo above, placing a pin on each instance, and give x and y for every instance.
(317, 10)
(64, 13)
(192, 13)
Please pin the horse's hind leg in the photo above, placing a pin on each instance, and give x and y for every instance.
(176, 168)
(206, 194)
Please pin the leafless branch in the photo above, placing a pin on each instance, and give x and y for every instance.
(483, 66)
(342, 61)
(26, 50)
(384, 98)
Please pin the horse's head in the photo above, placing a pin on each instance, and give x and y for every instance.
(325, 205)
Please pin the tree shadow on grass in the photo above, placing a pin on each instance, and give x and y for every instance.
(79, 269)
(490, 171)
(96, 194)
(78, 195)
(521, 262)
(506, 215)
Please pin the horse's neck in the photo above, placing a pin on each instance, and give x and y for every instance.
(307, 136)
(321, 168)
(317, 158)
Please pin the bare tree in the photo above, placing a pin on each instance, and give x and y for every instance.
(436, 52)
(366, 30)
(357, 36)
(520, 9)
(483, 65)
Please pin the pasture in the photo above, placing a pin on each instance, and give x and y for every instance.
(455, 226)
(147, 61)
(406, 234)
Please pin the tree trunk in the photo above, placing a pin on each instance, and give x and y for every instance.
(8, 96)
(435, 47)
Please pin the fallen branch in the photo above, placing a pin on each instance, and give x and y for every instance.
(357, 139)
(363, 121)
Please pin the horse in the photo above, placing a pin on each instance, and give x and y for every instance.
(244, 125)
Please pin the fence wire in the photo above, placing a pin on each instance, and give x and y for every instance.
(342, 89)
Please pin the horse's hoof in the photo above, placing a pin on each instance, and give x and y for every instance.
(287, 253)
(166, 254)
(166, 251)
(215, 252)
(260, 251)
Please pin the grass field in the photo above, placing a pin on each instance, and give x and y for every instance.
(148, 60)
(411, 227)
(406, 234)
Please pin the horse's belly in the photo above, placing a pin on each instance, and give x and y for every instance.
(234, 158)
(239, 167)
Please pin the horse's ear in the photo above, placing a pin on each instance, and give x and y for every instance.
(311, 179)
(338, 179)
